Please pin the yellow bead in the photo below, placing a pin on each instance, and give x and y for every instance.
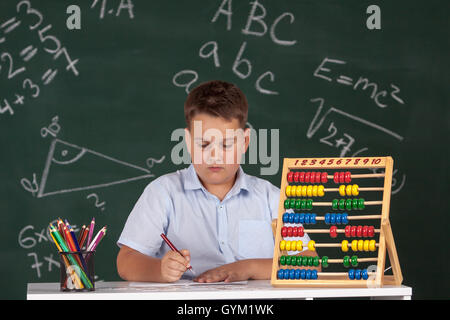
(372, 245)
(314, 191)
(320, 191)
(348, 190)
(288, 191)
(282, 245)
(312, 245)
(309, 191)
(342, 190)
(344, 245)
(293, 245)
(355, 245)
(299, 245)
(298, 191)
(355, 190)
(304, 188)
(366, 245)
(288, 245)
(360, 245)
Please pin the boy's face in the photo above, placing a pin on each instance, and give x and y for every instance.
(216, 147)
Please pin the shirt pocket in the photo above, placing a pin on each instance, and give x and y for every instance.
(255, 239)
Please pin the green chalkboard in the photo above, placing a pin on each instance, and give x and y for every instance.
(90, 116)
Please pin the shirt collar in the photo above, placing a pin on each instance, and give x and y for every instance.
(192, 182)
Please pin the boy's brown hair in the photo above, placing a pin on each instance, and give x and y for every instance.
(217, 98)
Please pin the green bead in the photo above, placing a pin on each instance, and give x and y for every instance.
(342, 204)
(299, 260)
(354, 261)
(286, 204)
(293, 261)
(303, 204)
(310, 261)
(283, 260)
(348, 204)
(361, 204)
(334, 204)
(316, 261)
(355, 204)
(288, 260)
(309, 204)
(346, 261)
(304, 261)
(324, 262)
(298, 204)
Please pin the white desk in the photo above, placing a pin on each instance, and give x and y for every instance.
(254, 289)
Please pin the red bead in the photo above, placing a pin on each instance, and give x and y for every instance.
(353, 231)
(317, 177)
(341, 177)
(359, 231)
(284, 231)
(324, 178)
(290, 176)
(371, 231)
(296, 174)
(295, 232)
(348, 177)
(333, 231)
(301, 231)
(307, 177)
(336, 177)
(301, 177)
(347, 231)
(364, 231)
(289, 232)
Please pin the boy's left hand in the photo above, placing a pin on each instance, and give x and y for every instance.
(236, 271)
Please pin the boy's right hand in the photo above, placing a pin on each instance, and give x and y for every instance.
(173, 265)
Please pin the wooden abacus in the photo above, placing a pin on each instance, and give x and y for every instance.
(297, 189)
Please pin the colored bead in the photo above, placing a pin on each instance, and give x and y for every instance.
(336, 177)
(344, 218)
(286, 204)
(316, 261)
(299, 245)
(301, 177)
(307, 177)
(344, 245)
(295, 231)
(304, 261)
(351, 274)
(358, 274)
(360, 245)
(303, 274)
(347, 231)
(327, 218)
(289, 232)
(312, 245)
(288, 260)
(309, 204)
(308, 274)
(324, 177)
(354, 260)
(348, 190)
(286, 217)
(342, 204)
(359, 231)
(353, 231)
(296, 176)
(338, 218)
(341, 177)
(298, 191)
(366, 245)
(335, 204)
(348, 177)
(288, 245)
(297, 274)
(283, 260)
(333, 218)
(290, 177)
(297, 218)
(324, 261)
(282, 245)
(310, 261)
(371, 231)
(312, 218)
(301, 231)
(309, 190)
(318, 177)
(301, 218)
(314, 191)
(342, 190)
(293, 245)
(304, 191)
(321, 191)
(348, 204)
(314, 274)
(303, 204)
(288, 191)
(346, 261)
(361, 204)
(364, 274)
(280, 274)
(355, 190)
(355, 204)
(299, 260)
(333, 232)
(354, 245)
(364, 231)
(284, 232)
(292, 274)
(291, 217)
(372, 246)
(297, 204)
(307, 218)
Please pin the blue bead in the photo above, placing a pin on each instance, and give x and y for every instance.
(358, 274)
(302, 218)
(364, 274)
(308, 274)
(333, 218)
(314, 274)
(312, 218)
(280, 274)
(292, 274)
(307, 218)
(338, 218)
(344, 219)
(285, 217)
(296, 218)
(297, 274)
(291, 217)
(286, 273)
(351, 274)
(327, 218)
(303, 274)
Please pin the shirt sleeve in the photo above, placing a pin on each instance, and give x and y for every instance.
(147, 220)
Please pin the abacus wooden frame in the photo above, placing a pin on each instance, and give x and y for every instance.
(386, 238)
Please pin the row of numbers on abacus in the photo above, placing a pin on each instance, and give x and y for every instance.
(338, 161)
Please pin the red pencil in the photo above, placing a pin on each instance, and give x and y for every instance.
(170, 244)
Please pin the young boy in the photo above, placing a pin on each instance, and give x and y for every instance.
(220, 216)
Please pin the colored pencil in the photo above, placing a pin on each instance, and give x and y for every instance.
(80, 234)
(84, 237)
(91, 232)
(170, 244)
(97, 239)
(75, 242)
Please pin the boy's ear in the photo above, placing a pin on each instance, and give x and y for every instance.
(246, 138)
(188, 139)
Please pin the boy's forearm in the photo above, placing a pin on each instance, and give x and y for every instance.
(135, 266)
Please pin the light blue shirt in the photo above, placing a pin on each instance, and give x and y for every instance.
(215, 232)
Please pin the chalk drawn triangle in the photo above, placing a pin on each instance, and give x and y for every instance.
(71, 168)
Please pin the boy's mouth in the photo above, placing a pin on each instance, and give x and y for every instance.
(214, 169)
